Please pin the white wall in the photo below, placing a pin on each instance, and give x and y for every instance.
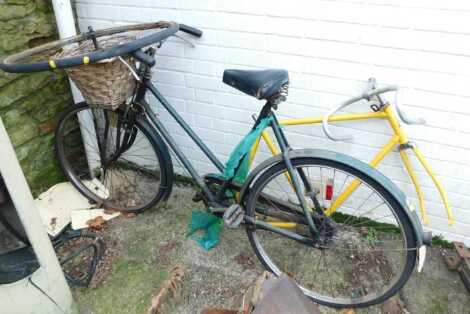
(330, 47)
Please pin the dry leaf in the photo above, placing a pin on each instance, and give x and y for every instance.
(110, 211)
(171, 284)
(347, 311)
(128, 215)
(96, 223)
(394, 305)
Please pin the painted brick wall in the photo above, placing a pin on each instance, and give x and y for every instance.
(330, 47)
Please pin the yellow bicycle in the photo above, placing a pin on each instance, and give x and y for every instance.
(381, 109)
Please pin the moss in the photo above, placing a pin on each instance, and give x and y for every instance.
(30, 103)
(441, 242)
(129, 289)
(9, 10)
(20, 90)
(438, 307)
(365, 222)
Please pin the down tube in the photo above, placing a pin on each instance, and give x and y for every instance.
(185, 127)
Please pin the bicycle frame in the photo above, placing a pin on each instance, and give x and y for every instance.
(277, 227)
(399, 138)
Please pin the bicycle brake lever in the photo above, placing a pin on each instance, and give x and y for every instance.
(186, 40)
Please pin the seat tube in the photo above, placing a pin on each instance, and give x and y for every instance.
(280, 137)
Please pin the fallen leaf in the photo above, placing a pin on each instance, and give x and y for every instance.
(394, 306)
(245, 261)
(170, 285)
(96, 223)
(129, 215)
(347, 311)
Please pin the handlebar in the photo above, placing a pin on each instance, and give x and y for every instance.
(143, 57)
(370, 92)
(190, 30)
(13, 63)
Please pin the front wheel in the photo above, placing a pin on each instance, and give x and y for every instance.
(115, 159)
(366, 249)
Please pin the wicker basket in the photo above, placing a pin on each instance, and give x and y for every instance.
(108, 83)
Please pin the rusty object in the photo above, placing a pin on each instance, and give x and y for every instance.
(460, 261)
(464, 272)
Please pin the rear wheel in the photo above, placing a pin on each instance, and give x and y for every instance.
(112, 159)
(366, 251)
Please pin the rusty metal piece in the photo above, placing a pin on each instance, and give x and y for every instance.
(460, 261)
(452, 261)
(462, 250)
(464, 271)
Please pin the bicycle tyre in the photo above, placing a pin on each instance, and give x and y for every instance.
(155, 144)
(279, 169)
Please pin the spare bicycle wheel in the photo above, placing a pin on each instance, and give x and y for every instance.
(53, 55)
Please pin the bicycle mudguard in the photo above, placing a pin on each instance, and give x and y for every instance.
(421, 236)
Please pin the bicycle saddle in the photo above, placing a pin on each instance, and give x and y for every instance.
(262, 84)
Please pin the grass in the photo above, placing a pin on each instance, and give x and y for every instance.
(441, 242)
(365, 222)
(130, 278)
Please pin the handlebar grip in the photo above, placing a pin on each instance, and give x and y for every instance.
(190, 30)
(143, 57)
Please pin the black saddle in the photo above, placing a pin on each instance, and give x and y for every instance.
(262, 84)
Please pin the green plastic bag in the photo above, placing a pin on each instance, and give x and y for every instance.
(240, 157)
(209, 224)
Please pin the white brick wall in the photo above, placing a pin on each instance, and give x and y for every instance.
(330, 48)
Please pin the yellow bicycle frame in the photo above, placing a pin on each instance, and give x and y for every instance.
(398, 138)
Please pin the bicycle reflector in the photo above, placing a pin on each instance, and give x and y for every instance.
(329, 190)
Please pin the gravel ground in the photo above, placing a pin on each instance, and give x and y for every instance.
(142, 251)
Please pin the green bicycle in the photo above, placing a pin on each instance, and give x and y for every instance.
(358, 256)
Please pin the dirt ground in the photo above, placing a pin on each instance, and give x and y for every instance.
(144, 249)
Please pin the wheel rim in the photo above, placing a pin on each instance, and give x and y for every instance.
(360, 264)
(129, 182)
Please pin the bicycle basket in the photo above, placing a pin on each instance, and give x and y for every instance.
(108, 83)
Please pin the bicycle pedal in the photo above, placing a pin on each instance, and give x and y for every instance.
(233, 216)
